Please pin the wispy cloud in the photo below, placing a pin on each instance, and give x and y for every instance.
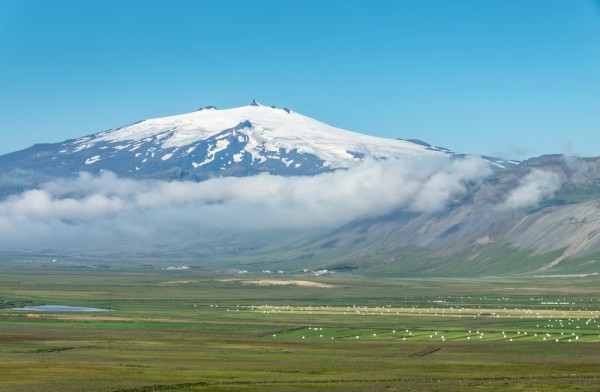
(534, 187)
(513, 151)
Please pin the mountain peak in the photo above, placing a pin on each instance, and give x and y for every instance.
(254, 103)
(209, 107)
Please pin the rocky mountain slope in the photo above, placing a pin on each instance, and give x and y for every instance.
(483, 234)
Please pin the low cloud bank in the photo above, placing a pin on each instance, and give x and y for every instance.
(104, 208)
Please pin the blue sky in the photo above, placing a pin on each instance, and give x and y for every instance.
(512, 78)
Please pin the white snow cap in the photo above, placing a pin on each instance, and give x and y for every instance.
(270, 128)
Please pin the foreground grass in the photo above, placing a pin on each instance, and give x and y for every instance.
(181, 331)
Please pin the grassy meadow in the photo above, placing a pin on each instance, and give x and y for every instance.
(197, 331)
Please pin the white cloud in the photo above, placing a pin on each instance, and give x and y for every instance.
(536, 186)
(104, 208)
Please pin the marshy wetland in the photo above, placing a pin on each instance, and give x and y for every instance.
(193, 330)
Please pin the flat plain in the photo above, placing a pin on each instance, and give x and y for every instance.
(172, 330)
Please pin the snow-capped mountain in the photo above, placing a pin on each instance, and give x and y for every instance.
(414, 214)
(211, 142)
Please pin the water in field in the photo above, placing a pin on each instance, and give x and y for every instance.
(61, 308)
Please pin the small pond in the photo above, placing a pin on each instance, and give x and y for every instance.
(61, 308)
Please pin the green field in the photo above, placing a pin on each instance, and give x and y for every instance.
(192, 330)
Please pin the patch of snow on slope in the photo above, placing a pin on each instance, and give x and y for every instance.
(83, 144)
(210, 156)
(221, 145)
(238, 157)
(189, 151)
(93, 159)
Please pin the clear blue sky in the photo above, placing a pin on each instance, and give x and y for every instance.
(514, 78)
